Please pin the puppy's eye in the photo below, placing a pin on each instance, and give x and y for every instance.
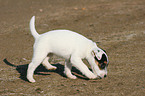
(106, 64)
(102, 65)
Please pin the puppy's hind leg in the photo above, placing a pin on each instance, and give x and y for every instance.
(67, 70)
(36, 61)
(30, 72)
(47, 64)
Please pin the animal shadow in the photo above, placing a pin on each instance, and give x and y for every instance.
(41, 70)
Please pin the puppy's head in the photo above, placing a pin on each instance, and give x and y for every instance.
(101, 62)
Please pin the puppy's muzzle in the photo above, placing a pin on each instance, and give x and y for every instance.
(103, 76)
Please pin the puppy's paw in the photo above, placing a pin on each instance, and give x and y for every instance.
(72, 77)
(52, 68)
(31, 80)
(69, 75)
(92, 76)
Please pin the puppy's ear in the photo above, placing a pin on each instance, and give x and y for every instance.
(97, 53)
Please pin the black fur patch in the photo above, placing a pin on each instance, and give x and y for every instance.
(103, 62)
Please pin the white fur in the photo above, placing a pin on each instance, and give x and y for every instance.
(67, 44)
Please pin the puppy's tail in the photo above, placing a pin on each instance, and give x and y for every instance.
(32, 28)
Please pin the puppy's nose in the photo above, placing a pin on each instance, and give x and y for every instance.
(105, 75)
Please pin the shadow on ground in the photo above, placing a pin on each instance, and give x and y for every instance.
(40, 70)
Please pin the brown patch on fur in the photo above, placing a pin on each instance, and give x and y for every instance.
(105, 62)
(99, 65)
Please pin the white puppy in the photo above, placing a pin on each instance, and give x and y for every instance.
(71, 46)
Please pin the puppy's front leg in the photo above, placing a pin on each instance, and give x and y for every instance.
(78, 63)
(67, 70)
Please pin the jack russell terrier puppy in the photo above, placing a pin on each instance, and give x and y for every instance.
(71, 46)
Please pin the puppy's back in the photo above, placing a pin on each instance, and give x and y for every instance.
(66, 42)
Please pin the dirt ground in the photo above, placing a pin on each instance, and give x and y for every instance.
(118, 26)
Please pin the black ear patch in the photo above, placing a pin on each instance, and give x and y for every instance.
(104, 58)
(103, 62)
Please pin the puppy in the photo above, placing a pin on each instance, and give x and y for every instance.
(71, 46)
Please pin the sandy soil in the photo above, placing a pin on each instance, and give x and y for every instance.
(118, 26)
